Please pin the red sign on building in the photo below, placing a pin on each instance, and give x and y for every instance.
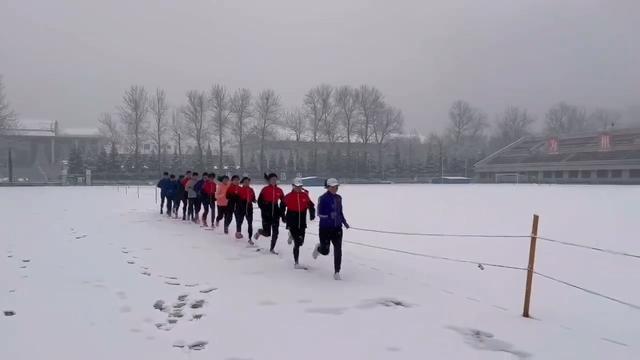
(553, 145)
(605, 142)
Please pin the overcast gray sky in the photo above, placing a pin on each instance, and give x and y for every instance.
(69, 60)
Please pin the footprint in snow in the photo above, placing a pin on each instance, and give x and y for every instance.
(164, 326)
(327, 311)
(172, 283)
(130, 262)
(385, 302)
(393, 349)
(208, 290)
(81, 237)
(483, 340)
(26, 260)
(122, 295)
(197, 316)
(183, 297)
(197, 304)
(179, 305)
(9, 313)
(146, 273)
(191, 285)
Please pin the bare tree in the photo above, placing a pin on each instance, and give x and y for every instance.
(159, 108)
(241, 110)
(513, 124)
(465, 122)
(196, 126)
(294, 123)
(604, 118)
(177, 129)
(320, 110)
(267, 109)
(8, 119)
(388, 122)
(220, 106)
(133, 113)
(565, 119)
(370, 104)
(109, 128)
(346, 100)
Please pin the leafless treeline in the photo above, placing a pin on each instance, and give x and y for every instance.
(223, 118)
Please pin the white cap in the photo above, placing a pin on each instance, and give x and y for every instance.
(332, 182)
(297, 182)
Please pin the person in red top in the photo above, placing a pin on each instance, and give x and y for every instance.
(244, 208)
(295, 206)
(185, 195)
(208, 199)
(269, 202)
(233, 199)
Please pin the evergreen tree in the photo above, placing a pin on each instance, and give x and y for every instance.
(273, 162)
(282, 164)
(102, 163)
(291, 165)
(176, 163)
(300, 166)
(113, 165)
(76, 163)
(208, 158)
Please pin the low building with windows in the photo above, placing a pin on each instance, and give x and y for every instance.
(38, 148)
(611, 157)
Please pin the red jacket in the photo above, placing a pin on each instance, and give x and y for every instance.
(247, 194)
(209, 188)
(233, 191)
(297, 201)
(184, 181)
(269, 202)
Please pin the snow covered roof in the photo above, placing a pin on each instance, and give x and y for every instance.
(49, 128)
(33, 127)
(79, 132)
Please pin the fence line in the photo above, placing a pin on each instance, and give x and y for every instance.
(592, 292)
(550, 240)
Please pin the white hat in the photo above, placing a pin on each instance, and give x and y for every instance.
(332, 182)
(297, 182)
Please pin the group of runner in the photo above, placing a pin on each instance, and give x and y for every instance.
(235, 198)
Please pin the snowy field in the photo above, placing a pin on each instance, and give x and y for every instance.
(81, 270)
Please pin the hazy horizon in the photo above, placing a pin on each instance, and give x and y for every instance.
(72, 60)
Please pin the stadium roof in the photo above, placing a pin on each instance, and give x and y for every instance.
(618, 146)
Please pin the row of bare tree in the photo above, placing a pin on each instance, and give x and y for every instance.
(328, 114)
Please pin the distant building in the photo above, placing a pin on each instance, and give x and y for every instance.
(39, 146)
(611, 157)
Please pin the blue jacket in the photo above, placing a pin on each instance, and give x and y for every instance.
(330, 211)
(164, 184)
(172, 189)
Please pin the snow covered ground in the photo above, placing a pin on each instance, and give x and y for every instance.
(82, 268)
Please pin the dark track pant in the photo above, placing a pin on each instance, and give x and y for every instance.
(169, 205)
(185, 203)
(242, 212)
(270, 227)
(162, 198)
(297, 234)
(206, 205)
(191, 211)
(327, 238)
(221, 211)
(176, 206)
(228, 215)
(197, 205)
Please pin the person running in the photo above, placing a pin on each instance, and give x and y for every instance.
(233, 199)
(198, 202)
(269, 202)
(185, 195)
(171, 192)
(192, 195)
(221, 197)
(331, 222)
(163, 184)
(295, 207)
(244, 208)
(208, 200)
(179, 198)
